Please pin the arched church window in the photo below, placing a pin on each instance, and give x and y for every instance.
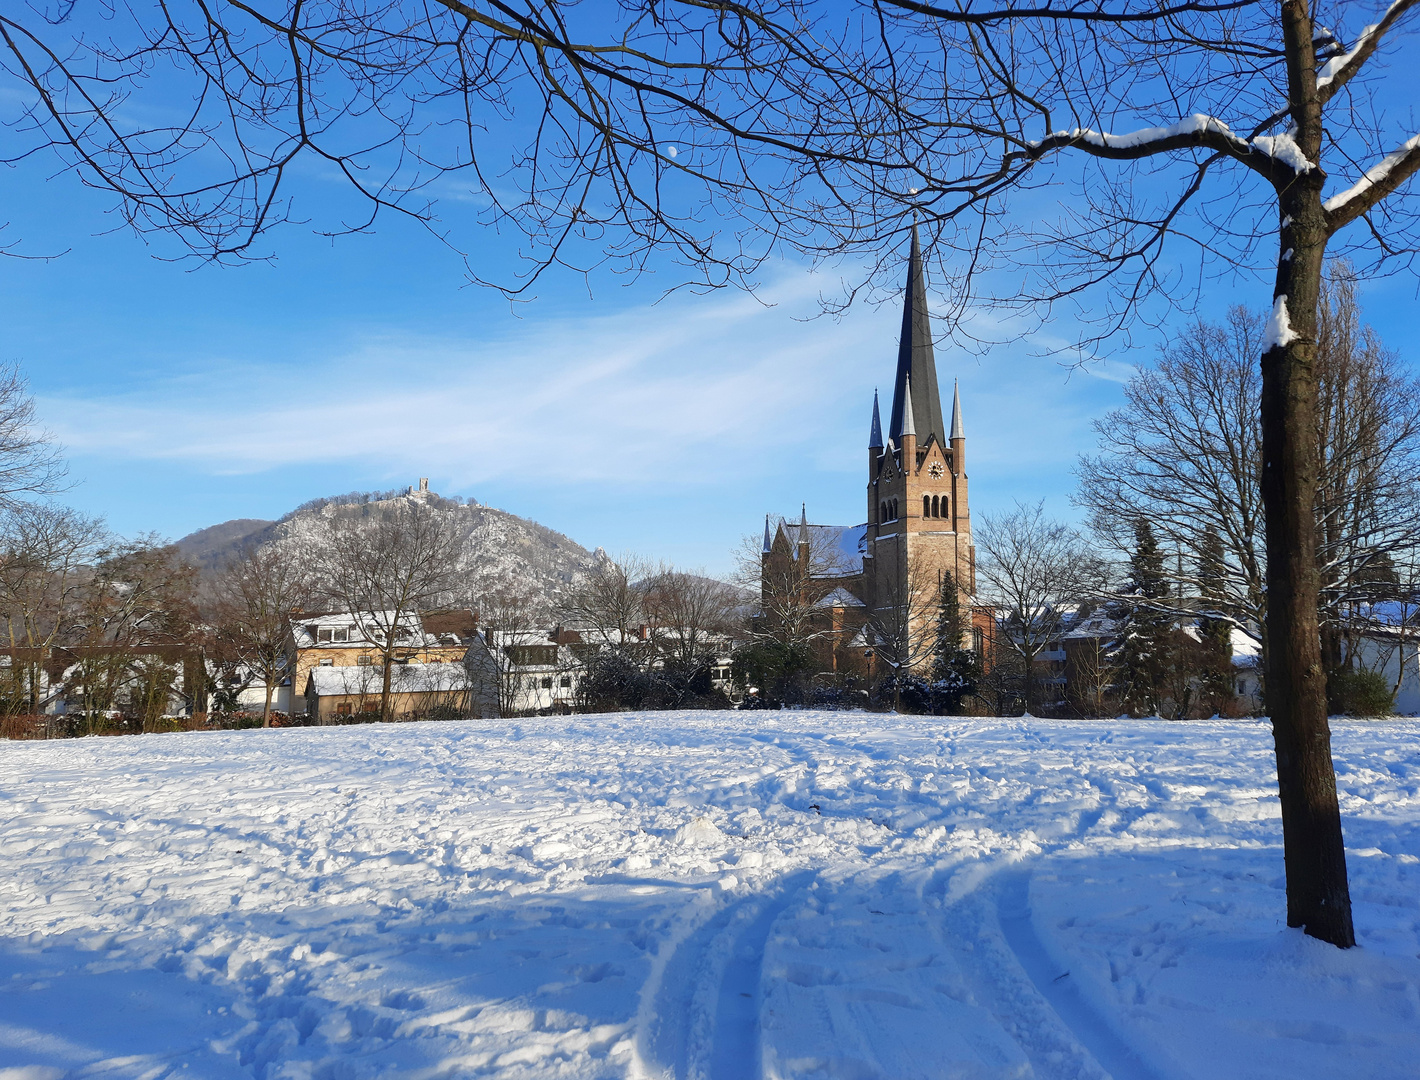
(926, 506)
(943, 507)
(894, 509)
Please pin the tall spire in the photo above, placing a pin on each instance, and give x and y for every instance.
(909, 417)
(875, 434)
(804, 525)
(957, 432)
(768, 540)
(915, 358)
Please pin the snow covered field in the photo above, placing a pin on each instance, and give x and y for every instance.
(711, 895)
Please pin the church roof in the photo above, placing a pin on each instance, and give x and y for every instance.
(915, 360)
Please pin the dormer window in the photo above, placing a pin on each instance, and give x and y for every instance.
(332, 634)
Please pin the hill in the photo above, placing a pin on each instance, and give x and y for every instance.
(209, 548)
(502, 552)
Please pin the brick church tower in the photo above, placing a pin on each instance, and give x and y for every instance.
(919, 520)
(882, 579)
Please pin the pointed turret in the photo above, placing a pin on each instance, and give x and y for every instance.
(909, 416)
(958, 442)
(768, 539)
(875, 433)
(915, 359)
(804, 524)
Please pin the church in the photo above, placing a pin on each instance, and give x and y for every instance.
(857, 587)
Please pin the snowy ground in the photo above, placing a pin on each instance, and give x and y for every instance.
(719, 895)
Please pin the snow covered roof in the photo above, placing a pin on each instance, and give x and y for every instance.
(840, 597)
(404, 679)
(362, 629)
(1095, 625)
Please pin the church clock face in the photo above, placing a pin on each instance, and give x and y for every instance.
(936, 470)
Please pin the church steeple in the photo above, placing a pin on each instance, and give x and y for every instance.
(768, 540)
(916, 363)
(875, 433)
(957, 432)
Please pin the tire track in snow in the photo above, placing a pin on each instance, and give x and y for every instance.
(736, 1049)
(701, 1016)
(1062, 994)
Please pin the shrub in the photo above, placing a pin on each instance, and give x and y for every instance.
(1358, 693)
(445, 712)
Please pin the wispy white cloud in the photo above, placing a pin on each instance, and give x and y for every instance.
(682, 390)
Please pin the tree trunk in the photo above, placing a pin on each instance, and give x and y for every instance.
(385, 687)
(1318, 899)
(266, 709)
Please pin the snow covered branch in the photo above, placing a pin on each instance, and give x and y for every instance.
(1338, 71)
(1276, 157)
(1379, 181)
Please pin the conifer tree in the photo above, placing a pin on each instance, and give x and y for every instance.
(1144, 643)
(955, 670)
(1215, 630)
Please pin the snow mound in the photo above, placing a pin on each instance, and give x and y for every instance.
(702, 832)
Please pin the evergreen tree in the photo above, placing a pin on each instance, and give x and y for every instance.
(1145, 633)
(1215, 631)
(955, 670)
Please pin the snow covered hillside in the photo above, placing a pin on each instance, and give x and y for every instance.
(501, 551)
(712, 895)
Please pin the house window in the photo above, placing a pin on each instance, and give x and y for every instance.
(340, 633)
(365, 660)
(547, 684)
(324, 633)
(343, 709)
(327, 662)
(566, 681)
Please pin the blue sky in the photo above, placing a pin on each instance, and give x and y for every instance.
(186, 395)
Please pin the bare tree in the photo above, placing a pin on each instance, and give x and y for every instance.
(1185, 453)
(1368, 440)
(902, 627)
(1036, 572)
(384, 568)
(610, 601)
(789, 588)
(510, 622)
(137, 610)
(255, 595)
(686, 612)
(47, 555)
(29, 461)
